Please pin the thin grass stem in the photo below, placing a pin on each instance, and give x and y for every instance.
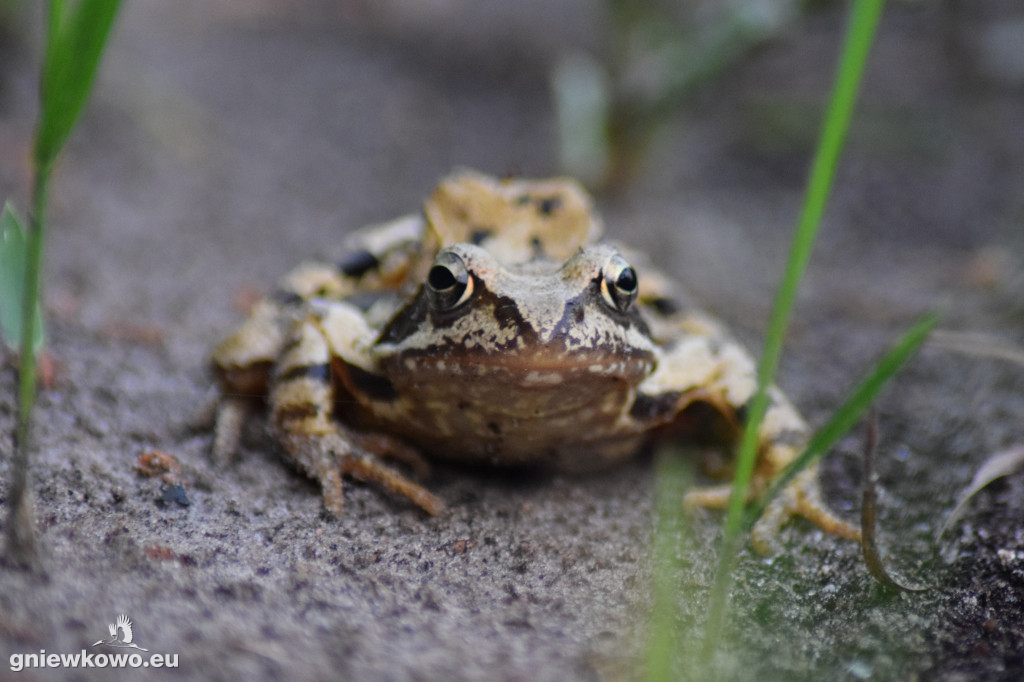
(20, 529)
(673, 474)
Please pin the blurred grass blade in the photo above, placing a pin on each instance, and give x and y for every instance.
(77, 32)
(582, 101)
(851, 411)
(673, 475)
(12, 280)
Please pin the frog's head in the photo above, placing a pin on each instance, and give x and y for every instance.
(541, 319)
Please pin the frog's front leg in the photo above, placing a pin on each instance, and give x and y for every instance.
(302, 400)
(713, 369)
(241, 365)
(243, 361)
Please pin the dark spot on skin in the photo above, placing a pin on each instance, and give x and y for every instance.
(316, 372)
(654, 407)
(523, 199)
(494, 428)
(285, 297)
(665, 306)
(374, 386)
(575, 311)
(549, 205)
(535, 243)
(292, 344)
(358, 263)
(478, 235)
(506, 313)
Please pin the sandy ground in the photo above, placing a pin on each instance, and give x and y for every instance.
(227, 141)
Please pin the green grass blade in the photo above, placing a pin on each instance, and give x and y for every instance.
(864, 18)
(77, 32)
(851, 411)
(13, 256)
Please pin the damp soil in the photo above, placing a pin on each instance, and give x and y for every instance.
(227, 141)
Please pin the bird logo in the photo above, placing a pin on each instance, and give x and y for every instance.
(121, 634)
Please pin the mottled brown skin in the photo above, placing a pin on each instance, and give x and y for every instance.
(496, 328)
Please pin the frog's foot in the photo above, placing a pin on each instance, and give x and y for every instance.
(801, 497)
(328, 457)
(225, 416)
(230, 415)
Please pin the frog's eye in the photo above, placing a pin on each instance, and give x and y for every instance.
(449, 282)
(619, 285)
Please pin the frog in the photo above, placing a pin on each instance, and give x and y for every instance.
(497, 326)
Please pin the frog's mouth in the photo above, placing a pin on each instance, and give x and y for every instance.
(527, 369)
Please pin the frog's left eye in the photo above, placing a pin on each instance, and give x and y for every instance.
(449, 281)
(619, 285)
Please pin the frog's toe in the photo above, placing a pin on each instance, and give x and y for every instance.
(764, 536)
(707, 497)
(231, 413)
(333, 493)
(368, 468)
(802, 497)
(388, 447)
(811, 506)
(328, 458)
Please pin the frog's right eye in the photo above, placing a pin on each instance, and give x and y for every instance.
(449, 282)
(619, 286)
